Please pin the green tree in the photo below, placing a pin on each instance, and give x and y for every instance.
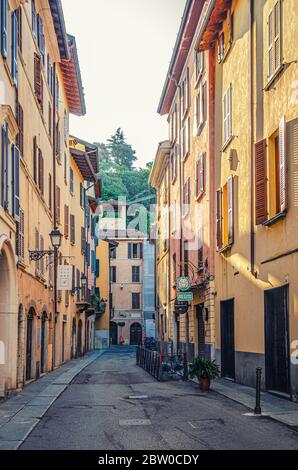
(120, 151)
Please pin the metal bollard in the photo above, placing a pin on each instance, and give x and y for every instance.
(258, 409)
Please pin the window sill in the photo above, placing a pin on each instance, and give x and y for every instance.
(275, 219)
(224, 249)
(274, 77)
(227, 143)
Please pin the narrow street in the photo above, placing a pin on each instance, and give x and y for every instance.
(98, 412)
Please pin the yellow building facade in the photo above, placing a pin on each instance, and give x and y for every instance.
(43, 188)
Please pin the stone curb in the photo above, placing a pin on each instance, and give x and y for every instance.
(19, 426)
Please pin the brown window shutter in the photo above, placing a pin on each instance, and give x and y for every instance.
(66, 221)
(40, 171)
(50, 191)
(20, 28)
(261, 181)
(72, 229)
(219, 218)
(58, 205)
(202, 172)
(37, 76)
(283, 165)
(83, 240)
(50, 120)
(35, 177)
(230, 210)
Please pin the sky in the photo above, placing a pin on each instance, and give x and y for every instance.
(124, 47)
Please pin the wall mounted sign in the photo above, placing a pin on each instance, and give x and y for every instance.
(185, 297)
(183, 284)
(64, 278)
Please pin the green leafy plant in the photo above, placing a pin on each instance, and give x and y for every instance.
(204, 368)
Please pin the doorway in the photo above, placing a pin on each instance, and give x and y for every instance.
(29, 342)
(43, 344)
(114, 333)
(135, 334)
(277, 356)
(201, 330)
(227, 339)
(79, 346)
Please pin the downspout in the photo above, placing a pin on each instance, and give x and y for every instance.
(252, 179)
(55, 219)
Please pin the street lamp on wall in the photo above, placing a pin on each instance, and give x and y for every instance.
(56, 240)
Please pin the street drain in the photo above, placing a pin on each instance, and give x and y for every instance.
(135, 422)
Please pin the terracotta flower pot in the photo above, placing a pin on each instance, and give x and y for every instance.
(204, 384)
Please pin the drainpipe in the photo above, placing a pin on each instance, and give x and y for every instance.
(55, 313)
(252, 179)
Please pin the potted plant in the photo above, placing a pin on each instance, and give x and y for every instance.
(204, 370)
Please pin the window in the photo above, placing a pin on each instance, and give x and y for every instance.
(42, 260)
(37, 263)
(274, 39)
(200, 175)
(225, 215)
(21, 237)
(83, 240)
(227, 115)
(186, 197)
(200, 248)
(50, 121)
(136, 301)
(186, 139)
(78, 284)
(66, 221)
(35, 165)
(33, 14)
(174, 158)
(65, 167)
(4, 167)
(40, 37)
(136, 274)
(113, 253)
(72, 230)
(113, 274)
(20, 28)
(40, 172)
(221, 48)
(71, 181)
(174, 228)
(58, 212)
(50, 192)
(270, 176)
(82, 195)
(135, 251)
(200, 108)
(20, 122)
(4, 37)
(38, 81)
(199, 64)
(97, 272)
(14, 47)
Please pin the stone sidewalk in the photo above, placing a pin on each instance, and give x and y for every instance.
(20, 414)
(280, 409)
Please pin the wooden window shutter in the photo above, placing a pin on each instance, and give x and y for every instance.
(83, 239)
(58, 217)
(4, 38)
(277, 35)
(37, 249)
(20, 28)
(40, 172)
(50, 120)
(20, 122)
(197, 179)
(283, 165)
(72, 229)
(261, 181)
(37, 76)
(219, 218)
(21, 236)
(202, 172)
(16, 169)
(230, 210)
(66, 221)
(35, 177)
(230, 26)
(129, 251)
(50, 192)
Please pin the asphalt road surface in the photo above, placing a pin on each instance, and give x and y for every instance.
(97, 412)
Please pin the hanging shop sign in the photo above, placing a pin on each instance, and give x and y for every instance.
(185, 296)
(64, 278)
(183, 284)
